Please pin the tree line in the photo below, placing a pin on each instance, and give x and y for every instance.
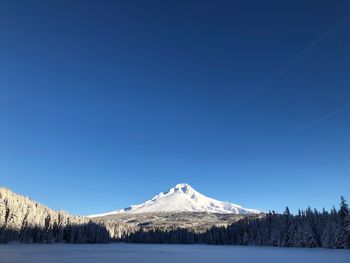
(23, 220)
(309, 228)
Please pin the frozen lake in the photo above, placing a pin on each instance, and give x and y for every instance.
(130, 253)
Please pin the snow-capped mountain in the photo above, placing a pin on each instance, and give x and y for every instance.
(183, 198)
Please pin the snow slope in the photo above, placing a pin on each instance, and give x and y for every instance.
(183, 198)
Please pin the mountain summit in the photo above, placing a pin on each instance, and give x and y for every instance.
(183, 198)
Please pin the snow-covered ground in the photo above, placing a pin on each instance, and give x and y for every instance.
(183, 198)
(132, 253)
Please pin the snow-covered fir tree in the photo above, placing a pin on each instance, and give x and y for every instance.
(22, 219)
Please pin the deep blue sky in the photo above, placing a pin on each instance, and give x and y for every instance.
(104, 104)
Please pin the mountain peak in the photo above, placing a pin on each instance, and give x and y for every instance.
(183, 198)
(183, 187)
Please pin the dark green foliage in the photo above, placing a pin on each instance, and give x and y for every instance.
(309, 228)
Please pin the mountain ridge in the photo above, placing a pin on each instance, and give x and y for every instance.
(182, 198)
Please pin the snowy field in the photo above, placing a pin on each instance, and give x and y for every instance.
(130, 253)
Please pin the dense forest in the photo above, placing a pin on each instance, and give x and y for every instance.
(24, 220)
(309, 228)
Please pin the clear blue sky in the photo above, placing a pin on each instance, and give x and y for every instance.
(104, 104)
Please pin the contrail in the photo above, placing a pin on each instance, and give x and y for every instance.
(307, 49)
(319, 120)
(317, 40)
(262, 86)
